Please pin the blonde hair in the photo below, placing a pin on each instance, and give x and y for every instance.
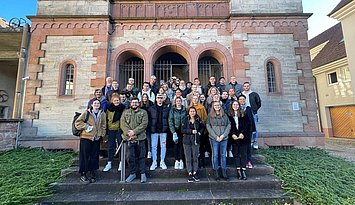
(213, 87)
(213, 111)
(115, 95)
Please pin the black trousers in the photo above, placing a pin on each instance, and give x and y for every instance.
(136, 156)
(88, 155)
(205, 145)
(179, 148)
(240, 154)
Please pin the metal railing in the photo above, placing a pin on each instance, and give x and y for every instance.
(122, 148)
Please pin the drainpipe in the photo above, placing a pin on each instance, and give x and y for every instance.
(20, 85)
(18, 101)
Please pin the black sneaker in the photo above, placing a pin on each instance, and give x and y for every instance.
(196, 178)
(84, 179)
(191, 178)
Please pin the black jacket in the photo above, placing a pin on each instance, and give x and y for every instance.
(153, 118)
(187, 128)
(249, 114)
(255, 102)
(244, 125)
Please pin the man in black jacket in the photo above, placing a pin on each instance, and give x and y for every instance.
(158, 123)
(253, 100)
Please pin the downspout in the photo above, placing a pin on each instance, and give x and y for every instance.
(20, 81)
(18, 101)
(318, 107)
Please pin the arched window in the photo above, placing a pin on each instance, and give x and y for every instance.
(271, 80)
(273, 77)
(207, 67)
(67, 82)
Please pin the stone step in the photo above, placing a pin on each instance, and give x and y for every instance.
(196, 197)
(257, 158)
(258, 170)
(168, 184)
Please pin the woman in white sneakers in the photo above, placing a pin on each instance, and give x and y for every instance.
(177, 115)
(113, 113)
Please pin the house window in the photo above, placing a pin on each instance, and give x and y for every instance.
(271, 78)
(68, 85)
(332, 78)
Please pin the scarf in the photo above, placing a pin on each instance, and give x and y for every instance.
(118, 111)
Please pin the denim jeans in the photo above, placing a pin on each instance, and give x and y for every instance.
(136, 154)
(162, 138)
(219, 148)
(113, 135)
(256, 121)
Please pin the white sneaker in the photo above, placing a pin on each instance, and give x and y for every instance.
(107, 167)
(149, 155)
(154, 165)
(177, 164)
(207, 154)
(255, 145)
(230, 154)
(181, 165)
(119, 167)
(163, 165)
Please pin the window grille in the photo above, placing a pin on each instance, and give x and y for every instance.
(169, 65)
(207, 67)
(132, 68)
(68, 79)
(271, 79)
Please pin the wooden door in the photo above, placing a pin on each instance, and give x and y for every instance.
(343, 121)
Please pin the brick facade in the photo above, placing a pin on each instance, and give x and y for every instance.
(240, 41)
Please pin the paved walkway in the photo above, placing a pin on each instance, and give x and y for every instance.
(344, 148)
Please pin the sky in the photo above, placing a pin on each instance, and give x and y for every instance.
(317, 23)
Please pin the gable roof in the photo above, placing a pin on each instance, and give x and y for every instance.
(341, 4)
(333, 50)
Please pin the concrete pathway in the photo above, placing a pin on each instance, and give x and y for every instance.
(344, 148)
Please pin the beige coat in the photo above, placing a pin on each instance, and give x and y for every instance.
(99, 127)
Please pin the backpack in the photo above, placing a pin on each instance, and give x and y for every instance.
(77, 132)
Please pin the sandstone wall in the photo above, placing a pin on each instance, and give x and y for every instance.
(72, 7)
(56, 112)
(276, 113)
(265, 6)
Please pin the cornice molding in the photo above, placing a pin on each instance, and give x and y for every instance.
(330, 66)
(344, 12)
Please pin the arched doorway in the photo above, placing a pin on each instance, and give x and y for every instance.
(133, 67)
(209, 66)
(171, 64)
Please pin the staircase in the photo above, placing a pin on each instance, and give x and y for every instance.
(171, 187)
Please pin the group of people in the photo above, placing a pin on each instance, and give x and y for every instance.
(218, 120)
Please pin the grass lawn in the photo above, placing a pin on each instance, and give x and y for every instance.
(26, 173)
(311, 176)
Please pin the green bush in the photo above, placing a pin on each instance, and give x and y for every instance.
(26, 173)
(312, 176)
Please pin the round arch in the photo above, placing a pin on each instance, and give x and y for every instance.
(219, 52)
(170, 45)
(128, 61)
